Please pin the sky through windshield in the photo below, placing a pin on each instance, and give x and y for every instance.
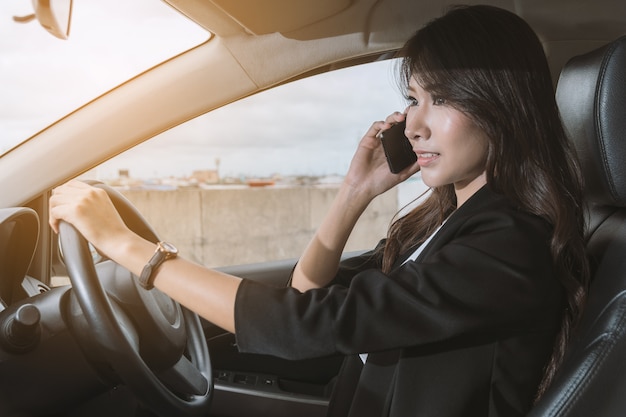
(44, 78)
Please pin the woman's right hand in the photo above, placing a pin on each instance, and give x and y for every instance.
(91, 211)
(369, 173)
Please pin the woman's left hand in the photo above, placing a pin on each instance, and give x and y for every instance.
(369, 171)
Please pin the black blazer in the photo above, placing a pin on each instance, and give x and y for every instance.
(471, 322)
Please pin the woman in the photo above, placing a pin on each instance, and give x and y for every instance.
(460, 307)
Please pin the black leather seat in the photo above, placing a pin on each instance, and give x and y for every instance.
(592, 98)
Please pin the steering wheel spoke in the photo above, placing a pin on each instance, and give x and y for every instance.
(185, 377)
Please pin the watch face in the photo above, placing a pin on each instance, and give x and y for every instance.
(168, 247)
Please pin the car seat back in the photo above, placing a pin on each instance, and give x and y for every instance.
(591, 95)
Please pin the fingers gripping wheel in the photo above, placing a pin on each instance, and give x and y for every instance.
(184, 388)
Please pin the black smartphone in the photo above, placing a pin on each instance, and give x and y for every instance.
(397, 147)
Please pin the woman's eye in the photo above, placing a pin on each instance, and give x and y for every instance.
(411, 101)
(439, 101)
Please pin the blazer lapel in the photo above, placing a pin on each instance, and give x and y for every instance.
(449, 228)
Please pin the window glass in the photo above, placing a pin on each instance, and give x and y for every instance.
(250, 182)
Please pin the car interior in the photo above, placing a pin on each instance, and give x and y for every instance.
(76, 350)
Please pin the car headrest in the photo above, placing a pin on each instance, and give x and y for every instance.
(591, 95)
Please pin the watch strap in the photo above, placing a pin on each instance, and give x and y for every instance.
(163, 252)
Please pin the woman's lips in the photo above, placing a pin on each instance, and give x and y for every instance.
(426, 158)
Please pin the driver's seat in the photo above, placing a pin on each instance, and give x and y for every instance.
(591, 95)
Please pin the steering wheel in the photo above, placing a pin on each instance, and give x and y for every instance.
(157, 371)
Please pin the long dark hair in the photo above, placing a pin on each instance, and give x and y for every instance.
(488, 63)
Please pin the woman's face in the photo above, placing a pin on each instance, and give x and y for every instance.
(450, 148)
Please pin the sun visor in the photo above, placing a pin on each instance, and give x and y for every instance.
(261, 17)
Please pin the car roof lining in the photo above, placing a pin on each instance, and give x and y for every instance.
(301, 20)
(260, 18)
(359, 22)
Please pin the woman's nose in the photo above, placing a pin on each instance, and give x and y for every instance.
(416, 126)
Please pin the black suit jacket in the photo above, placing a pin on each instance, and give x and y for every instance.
(471, 322)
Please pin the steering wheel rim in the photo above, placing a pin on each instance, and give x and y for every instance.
(116, 336)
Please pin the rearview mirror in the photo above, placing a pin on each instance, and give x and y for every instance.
(54, 16)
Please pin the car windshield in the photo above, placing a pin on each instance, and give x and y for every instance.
(43, 78)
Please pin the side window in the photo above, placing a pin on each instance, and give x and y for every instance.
(250, 182)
